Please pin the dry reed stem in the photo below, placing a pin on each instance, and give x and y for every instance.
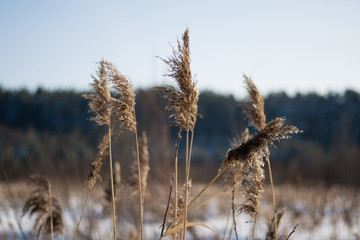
(270, 235)
(140, 190)
(112, 186)
(173, 183)
(82, 213)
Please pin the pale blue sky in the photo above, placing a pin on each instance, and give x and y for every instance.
(284, 45)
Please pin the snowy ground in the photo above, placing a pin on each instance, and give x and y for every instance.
(320, 214)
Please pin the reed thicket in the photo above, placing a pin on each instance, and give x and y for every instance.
(113, 106)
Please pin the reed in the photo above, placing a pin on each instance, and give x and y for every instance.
(46, 207)
(100, 105)
(123, 108)
(182, 105)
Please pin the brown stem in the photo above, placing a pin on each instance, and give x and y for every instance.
(233, 206)
(112, 187)
(187, 163)
(273, 198)
(51, 211)
(140, 189)
(253, 230)
(174, 182)
(203, 190)
(82, 214)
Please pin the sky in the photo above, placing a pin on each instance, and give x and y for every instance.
(292, 46)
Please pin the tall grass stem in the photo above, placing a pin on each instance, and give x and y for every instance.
(273, 198)
(112, 186)
(82, 213)
(140, 189)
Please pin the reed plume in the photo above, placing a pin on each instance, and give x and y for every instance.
(101, 105)
(255, 109)
(45, 207)
(123, 106)
(95, 171)
(182, 103)
(124, 110)
(249, 155)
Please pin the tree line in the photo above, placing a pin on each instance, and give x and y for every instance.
(51, 130)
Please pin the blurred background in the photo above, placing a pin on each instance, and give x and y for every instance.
(303, 56)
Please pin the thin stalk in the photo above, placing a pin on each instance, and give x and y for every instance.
(227, 224)
(174, 183)
(253, 230)
(140, 189)
(202, 191)
(112, 186)
(82, 214)
(51, 212)
(273, 198)
(231, 230)
(206, 187)
(233, 207)
(187, 163)
(176, 177)
(176, 189)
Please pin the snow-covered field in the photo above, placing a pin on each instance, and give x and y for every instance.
(320, 213)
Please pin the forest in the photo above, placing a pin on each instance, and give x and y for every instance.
(50, 131)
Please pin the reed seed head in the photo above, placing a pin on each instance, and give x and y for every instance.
(44, 205)
(124, 105)
(100, 100)
(252, 187)
(248, 155)
(183, 100)
(95, 171)
(255, 109)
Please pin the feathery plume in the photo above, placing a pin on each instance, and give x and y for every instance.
(250, 154)
(124, 106)
(100, 101)
(236, 173)
(256, 145)
(255, 109)
(182, 101)
(46, 207)
(95, 171)
(252, 187)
